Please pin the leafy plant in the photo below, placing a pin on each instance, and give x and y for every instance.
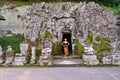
(78, 47)
(13, 41)
(57, 48)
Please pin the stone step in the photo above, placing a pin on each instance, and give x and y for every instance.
(69, 57)
(67, 61)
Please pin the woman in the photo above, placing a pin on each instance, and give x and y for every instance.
(65, 44)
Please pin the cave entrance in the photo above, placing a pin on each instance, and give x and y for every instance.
(68, 37)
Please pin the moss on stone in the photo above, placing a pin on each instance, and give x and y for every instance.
(38, 47)
(98, 38)
(39, 40)
(48, 35)
(89, 37)
(107, 39)
(103, 47)
(78, 47)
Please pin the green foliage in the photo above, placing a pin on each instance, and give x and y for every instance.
(38, 47)
(89, 37)
(103, 47)
(78, 47)
(12, 41)
(98, 38)
(107, 39)
(28, 57)
(38, 51)
(39, 41)
(57, 48)
(48, 35)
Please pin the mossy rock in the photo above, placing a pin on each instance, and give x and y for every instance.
(98, 38)
(107, 39)
(48, 35)
(89, 37)
(102, 47)
(39, 41)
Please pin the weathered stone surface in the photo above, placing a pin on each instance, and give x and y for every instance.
(90, 60)
(112, 59)
(78, 19)
(24, 51)
(9, 60)
(1, 55)
(2, 18)
(12, 22)
(33, 55)
(88, 50)
(18, 60)
(9, 55)
(45, 60)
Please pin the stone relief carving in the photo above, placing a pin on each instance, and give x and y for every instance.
(79, 18)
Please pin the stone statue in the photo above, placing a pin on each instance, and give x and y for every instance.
(9, 55)
(45, 57)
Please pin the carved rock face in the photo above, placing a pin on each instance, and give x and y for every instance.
(78, 18)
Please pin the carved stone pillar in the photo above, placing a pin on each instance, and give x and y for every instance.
(33, 54)
(24, 51)
(1, 55)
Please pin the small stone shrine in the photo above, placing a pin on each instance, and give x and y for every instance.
(89, 56)
(45, 58)
(18, 61)
(1, 55)
(9, 55)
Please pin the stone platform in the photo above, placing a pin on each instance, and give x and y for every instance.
(69, 61)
